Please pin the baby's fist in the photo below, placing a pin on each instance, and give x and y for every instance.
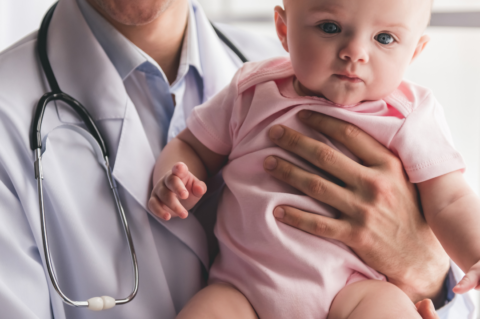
(177, 192)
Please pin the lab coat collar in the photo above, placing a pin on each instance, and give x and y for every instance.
(82, 68)
(217, 64)
(126, 56)
(123, 54)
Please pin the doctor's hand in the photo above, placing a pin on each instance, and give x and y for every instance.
(426, 309)
(177, 192)
(380, 214)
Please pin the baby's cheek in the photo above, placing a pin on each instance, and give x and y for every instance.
(304, 64)
(311, 72)
(308, 60)
(383, 86)
(386, 79)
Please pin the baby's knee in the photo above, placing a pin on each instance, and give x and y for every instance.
(218, 301)
(374, 300)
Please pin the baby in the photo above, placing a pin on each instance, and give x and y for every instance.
(347, 60)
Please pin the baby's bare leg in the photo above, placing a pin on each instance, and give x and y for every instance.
(218, 301)
(373, 300)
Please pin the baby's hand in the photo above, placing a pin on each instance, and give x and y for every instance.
(470, 281)
(176, 193)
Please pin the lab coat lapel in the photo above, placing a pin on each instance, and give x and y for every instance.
(84, 71)
(133, 170)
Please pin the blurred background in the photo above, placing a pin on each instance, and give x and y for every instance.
(450, 65)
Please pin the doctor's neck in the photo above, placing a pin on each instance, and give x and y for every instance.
(155, 26)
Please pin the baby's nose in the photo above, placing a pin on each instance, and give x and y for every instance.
(354, 50)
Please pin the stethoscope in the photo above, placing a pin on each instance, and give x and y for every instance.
(95, 138)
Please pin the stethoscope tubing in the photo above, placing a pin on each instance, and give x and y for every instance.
(36, 145)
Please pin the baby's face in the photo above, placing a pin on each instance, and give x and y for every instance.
(350, 51)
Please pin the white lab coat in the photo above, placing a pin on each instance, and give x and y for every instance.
(88, 244)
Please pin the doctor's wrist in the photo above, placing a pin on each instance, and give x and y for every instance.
(427, 282)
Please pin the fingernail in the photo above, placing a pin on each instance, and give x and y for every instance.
(276, 132)
(279, 212)
(304, 114)
(270, 163)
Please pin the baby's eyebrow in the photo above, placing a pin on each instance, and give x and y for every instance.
(327, 7)
(397, 25)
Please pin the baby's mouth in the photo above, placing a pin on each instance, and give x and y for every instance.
(352, 78)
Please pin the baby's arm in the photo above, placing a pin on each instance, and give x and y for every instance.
(452, 210)
(179, 175)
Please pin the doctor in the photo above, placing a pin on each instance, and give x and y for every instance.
(139, 68)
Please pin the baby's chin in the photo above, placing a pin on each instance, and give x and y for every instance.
(342, 95)
(345, 99)
(350, 99)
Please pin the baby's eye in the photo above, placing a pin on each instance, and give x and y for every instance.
(329, 27)
(384, 38)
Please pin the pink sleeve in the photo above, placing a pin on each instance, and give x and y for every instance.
(210, 122)
(424, 143)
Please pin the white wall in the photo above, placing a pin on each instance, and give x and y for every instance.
(20, 17)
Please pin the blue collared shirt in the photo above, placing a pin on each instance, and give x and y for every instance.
(145, 81)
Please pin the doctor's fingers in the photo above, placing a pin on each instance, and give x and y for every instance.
(311, 184)
(317, 153)
(314, 224)
(362, 145)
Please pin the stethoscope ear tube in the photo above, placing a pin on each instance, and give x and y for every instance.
(56, 94)
(42, 50)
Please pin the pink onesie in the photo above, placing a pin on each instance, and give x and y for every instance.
(284, 272)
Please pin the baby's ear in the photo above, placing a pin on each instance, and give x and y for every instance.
(422, 43)
(281, 26)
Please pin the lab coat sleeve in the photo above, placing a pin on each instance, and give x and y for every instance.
(461, 306)
(24, 290)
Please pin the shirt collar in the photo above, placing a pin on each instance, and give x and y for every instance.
(126, 56)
